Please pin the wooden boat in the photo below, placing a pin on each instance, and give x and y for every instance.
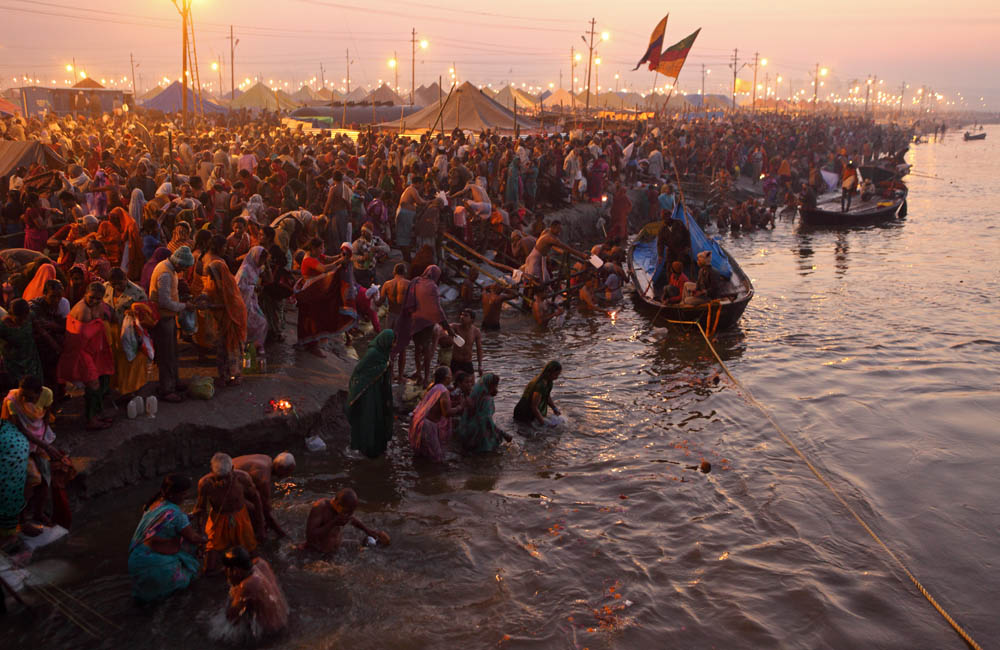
(876, 210)
(724, 314)
(977, 136)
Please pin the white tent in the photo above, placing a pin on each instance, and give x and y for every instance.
(306, 95)
(384, 94)
(559, 97)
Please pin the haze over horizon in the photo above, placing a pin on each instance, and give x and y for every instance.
(519, 41)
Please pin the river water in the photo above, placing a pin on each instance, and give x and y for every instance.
(877, 349)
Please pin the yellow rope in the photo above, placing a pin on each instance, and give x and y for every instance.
(753, 400)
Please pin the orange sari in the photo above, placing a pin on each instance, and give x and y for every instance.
(108, 235)
(36, 287)
(129, 235)
(231, 321)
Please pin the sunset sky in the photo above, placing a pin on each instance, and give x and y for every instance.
(952, 47)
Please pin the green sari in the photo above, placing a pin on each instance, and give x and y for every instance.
(476, 429)
(369, 402)
(541, 385)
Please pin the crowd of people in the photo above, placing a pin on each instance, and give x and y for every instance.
(158, 236)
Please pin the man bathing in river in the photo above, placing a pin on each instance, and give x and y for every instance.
(255, 597)
(262, 471)
(327, 519)
(461, 357)
(535, 265)
(225, 496)
(493, 297)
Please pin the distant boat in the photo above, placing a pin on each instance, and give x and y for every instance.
(878, 209)
(978, 136)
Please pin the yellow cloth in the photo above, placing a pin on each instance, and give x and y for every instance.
(129, 376)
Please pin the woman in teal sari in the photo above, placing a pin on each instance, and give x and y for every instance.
(161, 559)
(369, 400)
(13, 474)
(476, 429)
(537, 397)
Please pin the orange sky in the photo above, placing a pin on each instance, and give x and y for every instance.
(952, 47)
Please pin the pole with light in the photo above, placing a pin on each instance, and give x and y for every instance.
(820, 72)
(753, 105)
(394, 64)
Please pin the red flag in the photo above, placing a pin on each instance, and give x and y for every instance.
(672, 59)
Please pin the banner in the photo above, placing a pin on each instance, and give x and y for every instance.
(652, 55)
(672, 59)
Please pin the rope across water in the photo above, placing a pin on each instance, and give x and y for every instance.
(822, 479)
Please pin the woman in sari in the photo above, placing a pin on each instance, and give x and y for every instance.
(20, 356)
(369, 401)
(476, 430)
(36, 224)
(325, 296)
(248, 278)
(13, 478)
(36, 288)
(121, 296)
(537, 397)
(27, 408)
(136, 204)
(181, 237)
(131, 260)
(161, 558)
(430, 424)
(420, 312)
(230, 315)
(110, 236)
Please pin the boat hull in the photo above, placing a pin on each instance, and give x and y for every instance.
(724, 315)
(856, 217)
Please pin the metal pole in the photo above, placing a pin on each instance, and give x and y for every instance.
(413, 67)
(232, 64)
(184, 62)
(590, 61)
(735, 71)
(753, 103)
(135, 92)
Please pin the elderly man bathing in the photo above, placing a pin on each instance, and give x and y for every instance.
(225, 497)
(263, 470)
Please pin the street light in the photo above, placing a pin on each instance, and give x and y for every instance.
(393, 64)
(605, 36)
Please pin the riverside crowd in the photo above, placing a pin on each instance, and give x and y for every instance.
(215, 235)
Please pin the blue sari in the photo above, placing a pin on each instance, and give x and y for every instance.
(157, 575)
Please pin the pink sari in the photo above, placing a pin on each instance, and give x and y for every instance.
(428, 438)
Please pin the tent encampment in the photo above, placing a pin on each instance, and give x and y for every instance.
(86, 83)
(169, 100)
(20, 153)
(260, 98)
(468, 109)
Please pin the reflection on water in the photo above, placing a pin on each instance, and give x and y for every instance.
(594, 535)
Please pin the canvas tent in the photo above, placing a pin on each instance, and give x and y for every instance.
(559, 97)
(384, 95)
(306, 95)
(356, 95)
(260, 98)
(427, 95)
(21, 153)
(169, 101)
(7, 108)
(508, 94)
(87, 83)
(149, 94)
(468, 109)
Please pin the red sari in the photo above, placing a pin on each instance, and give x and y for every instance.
(325, 301)
(86, 354)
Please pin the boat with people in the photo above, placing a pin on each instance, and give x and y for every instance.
(975, 136)
(716, 315)
(876, 209)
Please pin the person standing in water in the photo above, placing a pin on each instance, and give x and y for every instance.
(537, 397)
(255, 597)
(326, 521)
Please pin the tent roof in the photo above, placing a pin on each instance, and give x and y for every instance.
(149, 94)
(260, 97)
(427, 95)
(16, 154)
(469, 109)
(558, 96)
(305, 94)
(8, 108)
(87, 82)
(384, 94)
(507, 95)
(357, 94)
(168, 100)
